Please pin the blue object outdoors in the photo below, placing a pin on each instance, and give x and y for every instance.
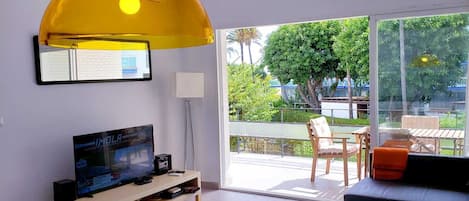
(276, 84)
(129, 65)
(129, 71)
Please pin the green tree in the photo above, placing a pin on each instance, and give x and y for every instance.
(250, 100)
(440, 39)
(303, 53)
(351, 47)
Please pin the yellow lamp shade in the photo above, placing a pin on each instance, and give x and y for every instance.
(163, 24)
(129, 7)
(108, 45)
(426, 60)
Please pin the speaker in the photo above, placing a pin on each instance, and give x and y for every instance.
(162, 164)
(65, 190)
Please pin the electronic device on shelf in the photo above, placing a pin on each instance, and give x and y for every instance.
(64, 190)
(172, 193)
(190, 189)
(113, 158)
(162, 164)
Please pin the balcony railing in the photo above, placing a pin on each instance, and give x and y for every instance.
(285, 133)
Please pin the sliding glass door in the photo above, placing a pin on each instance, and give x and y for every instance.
(421, 77)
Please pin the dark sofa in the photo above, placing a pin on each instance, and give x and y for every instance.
(432, 178)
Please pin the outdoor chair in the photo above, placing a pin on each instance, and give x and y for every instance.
(323, 146)
(395, 137)
(424, 145)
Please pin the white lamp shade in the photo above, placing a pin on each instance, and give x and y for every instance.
(189, 85)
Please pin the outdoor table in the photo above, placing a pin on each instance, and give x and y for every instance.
(454, 135)
(363, 135)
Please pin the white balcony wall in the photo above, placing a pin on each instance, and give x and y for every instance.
(338, 110)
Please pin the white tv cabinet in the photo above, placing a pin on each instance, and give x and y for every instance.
(132, 192)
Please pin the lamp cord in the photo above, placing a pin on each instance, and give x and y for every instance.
(185, 135)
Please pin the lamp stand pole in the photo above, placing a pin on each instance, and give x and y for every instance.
(189, 148)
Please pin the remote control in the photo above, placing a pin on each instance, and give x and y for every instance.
(177, 171)
(174, 174)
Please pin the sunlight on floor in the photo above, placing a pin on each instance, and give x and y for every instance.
(289, 176)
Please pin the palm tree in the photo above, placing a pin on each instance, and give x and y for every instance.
(252, 35)
(233, 51)
(237, 36)
(243, 37)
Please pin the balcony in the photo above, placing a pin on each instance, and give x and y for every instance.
(275, 157)
(288, 176)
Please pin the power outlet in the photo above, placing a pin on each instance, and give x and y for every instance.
(2, 121)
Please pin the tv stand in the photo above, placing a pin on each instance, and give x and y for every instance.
(132, 192)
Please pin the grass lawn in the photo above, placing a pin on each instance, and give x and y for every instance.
(450, 120)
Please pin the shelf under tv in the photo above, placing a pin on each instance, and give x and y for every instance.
(132, 192)
(183, 197)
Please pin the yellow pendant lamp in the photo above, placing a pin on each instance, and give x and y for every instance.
(91, 24)
(426, 60)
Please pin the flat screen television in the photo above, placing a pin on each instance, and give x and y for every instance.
(109, 159)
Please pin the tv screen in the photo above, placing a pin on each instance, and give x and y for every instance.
(112, 158)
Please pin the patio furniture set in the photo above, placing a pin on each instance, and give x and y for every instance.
(424, 176)
(419, 134)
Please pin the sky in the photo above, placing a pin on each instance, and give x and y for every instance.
(256, 49)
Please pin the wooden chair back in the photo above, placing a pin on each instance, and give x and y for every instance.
(413, 121)
(422, 122)
(320, 128)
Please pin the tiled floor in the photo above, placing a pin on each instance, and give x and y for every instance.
(289, 176)
(223, 195)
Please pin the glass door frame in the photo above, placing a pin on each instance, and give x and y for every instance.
(373, 61)
(373, 48)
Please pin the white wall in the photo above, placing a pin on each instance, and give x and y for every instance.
(338, 110)
(244, 13)
(36, 140)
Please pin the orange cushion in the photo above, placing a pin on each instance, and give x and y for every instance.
(389, 163)
(383, 174)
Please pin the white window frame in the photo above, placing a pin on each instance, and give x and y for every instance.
(223, 120)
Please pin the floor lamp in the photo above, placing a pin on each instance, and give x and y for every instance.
(189, 86)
